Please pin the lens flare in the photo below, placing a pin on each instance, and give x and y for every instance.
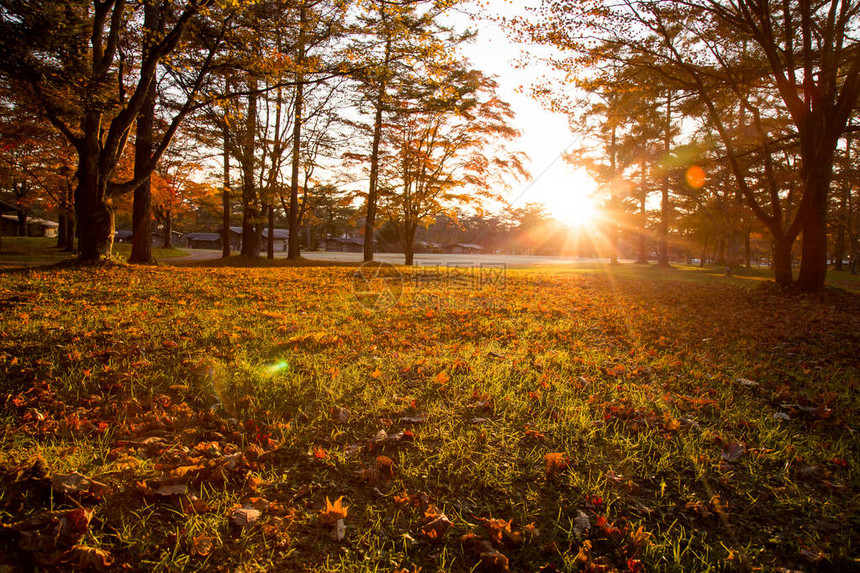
(695, 177)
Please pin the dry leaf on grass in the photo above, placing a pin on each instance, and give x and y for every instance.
(333, 511)
(90, 558)
(245, 516)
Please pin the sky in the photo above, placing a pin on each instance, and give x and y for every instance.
(545, 135)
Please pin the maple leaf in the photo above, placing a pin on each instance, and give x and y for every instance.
(333, 511)
(555, 461)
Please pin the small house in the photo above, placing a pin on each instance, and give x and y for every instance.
(34, 227)
(463, 249)
(427, 247)
(202, 240)
(280, 239)
(344, 244)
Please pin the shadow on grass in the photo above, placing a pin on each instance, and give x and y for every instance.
(240, 261)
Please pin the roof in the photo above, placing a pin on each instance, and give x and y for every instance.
(7, 206)
(202, 236)
(468, 245)
(429, 244)
(277, 233)
(33, 221)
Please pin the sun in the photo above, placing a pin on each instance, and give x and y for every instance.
(572, 200)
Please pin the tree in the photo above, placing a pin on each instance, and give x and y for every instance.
(447, 150)
(801, 53)
(391, 38)
(69, 57)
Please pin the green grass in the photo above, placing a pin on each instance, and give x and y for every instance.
(18, 251)
(238, 377)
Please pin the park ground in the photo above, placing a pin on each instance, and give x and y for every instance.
(327, 418)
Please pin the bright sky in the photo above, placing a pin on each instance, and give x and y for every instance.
(545, 135)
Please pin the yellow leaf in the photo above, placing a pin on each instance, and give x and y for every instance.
(333, 511)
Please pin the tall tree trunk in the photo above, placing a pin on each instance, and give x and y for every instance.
(71, 232)
(409, 243)
(270, 240)
(167, 228)
(813, 262)
(663, 258)
(613, 200)
(293, 251)
(642, 255)
(373, 189)
(62, 221)
(22, 222)
(251, 223)
(782, 261)
(94, 215)
(141, 218)
(225, 199)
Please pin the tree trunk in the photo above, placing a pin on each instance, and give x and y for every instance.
(270, 240)
(663, 258)
(409, 244)
(293, 250)
(141, 219)
(70, 232)
(225, 199)
(782, 261)
(94, 216)
(642, 255)
(22, 222)
(250, 214)
(167, 228)
(613, 199)
(373, 189)
(813, 262)
(62, 221)
(747, 247)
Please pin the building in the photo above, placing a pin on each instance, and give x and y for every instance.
(427, 247)
(463, 249)
(202, 240)
(344, 244)
(281, 238)
(156, 239)
(35, 227)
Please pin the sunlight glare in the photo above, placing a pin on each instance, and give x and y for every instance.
(573, 202)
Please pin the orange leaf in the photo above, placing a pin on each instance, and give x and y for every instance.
(333, 511)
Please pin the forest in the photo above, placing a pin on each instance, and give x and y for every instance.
(719, 133)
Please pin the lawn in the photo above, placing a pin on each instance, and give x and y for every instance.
(18, 251)
(327, 419)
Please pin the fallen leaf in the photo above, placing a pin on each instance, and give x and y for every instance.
(555, 461)
(733, 452)
(74, 483)
(90, 557)
(333, 511)
(582, 523)
(202, 545)
(244, 516)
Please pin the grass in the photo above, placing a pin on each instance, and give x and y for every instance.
(627, 419)
(19, 251)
